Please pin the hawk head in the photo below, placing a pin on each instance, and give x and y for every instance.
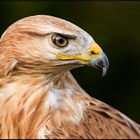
(46, 44)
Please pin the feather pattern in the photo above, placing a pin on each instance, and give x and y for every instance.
(39, 98)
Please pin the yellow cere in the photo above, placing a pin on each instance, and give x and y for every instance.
(96, 49)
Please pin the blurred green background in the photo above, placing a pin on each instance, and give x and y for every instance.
(115, 27)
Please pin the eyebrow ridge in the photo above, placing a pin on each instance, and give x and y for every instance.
(67, 35)
(55, 33)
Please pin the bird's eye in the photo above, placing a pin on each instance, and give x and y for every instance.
(59, 41)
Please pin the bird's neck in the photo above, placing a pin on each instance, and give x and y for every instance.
(35, 102)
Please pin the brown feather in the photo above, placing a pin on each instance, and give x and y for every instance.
(41, 99)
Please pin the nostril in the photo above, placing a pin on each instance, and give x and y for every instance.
(92, 52)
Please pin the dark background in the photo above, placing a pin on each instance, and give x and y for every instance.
(115, 26)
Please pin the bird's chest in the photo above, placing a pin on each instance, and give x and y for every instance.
(63, 107)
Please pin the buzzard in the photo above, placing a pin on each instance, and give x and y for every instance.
(39, 97)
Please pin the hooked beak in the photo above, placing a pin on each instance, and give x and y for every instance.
(94, 57)
(98, 59)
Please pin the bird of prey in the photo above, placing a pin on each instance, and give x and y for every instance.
(39, 97)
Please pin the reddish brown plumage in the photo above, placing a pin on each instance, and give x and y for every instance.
(39, 98)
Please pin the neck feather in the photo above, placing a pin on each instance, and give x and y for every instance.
(28, 104)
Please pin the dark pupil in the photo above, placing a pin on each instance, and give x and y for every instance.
(60, 40)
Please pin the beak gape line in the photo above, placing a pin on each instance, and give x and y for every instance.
(95, 58)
